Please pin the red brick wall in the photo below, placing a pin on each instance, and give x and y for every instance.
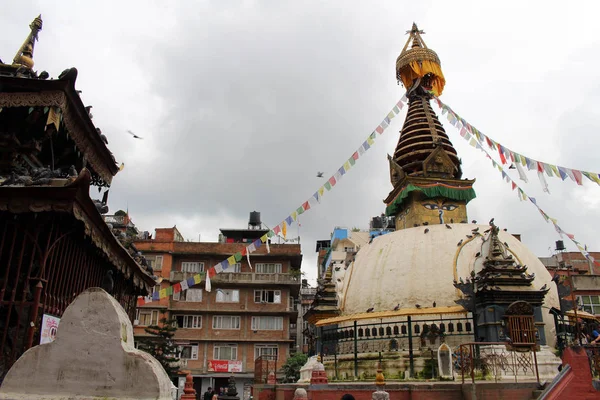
(578, 261)
(403, 391)
(577, 383)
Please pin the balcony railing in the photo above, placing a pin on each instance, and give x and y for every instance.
(250, 277)
(239, 277)
(177, 276)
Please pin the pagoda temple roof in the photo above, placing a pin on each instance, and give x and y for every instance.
(32, 92)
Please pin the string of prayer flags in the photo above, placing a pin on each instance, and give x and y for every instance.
(281, 228)
(508, 156)
(523, 196)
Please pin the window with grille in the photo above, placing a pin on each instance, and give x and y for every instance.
(590, 304)
(147, 317)
(268, 268)
(267, 323)
(267, 296)
(189, 321)
(188, 351)
(521, 329)
(226, 322)
(265, 350)
(193, 267)
(237, 267)
(155, 262)
(192, 295)
(226, 351)
(228, 296)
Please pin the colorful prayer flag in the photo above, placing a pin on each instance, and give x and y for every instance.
(306, 206)
(578, 177)
(184, 285)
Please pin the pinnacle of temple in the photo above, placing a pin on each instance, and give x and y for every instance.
(421, 134)
(424, 169)
(418, 68)
(22, 65)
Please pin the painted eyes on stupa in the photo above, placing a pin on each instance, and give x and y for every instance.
(446, 207)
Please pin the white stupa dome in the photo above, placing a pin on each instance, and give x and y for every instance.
(410, 267)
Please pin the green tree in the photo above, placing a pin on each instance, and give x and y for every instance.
(161, 345)
(292, 366)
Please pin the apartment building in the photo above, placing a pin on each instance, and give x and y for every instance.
(581, 273)
(250, 312)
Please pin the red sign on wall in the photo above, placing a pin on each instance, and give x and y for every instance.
(224, 366)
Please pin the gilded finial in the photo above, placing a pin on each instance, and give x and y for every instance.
(416, 62)
(24, 56)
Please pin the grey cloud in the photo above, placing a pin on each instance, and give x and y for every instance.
(241, 103)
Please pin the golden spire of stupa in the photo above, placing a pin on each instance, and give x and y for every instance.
(24, 56)
(419, 61)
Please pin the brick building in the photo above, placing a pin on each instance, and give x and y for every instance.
(584, 274)
(249, 312)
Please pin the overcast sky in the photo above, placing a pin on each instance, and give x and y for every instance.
(240, 103)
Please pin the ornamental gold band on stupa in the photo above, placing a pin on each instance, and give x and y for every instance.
(409, 299)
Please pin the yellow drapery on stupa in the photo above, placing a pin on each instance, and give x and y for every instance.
(418, 69)
(418, 61)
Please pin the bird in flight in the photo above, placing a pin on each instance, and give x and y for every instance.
(134, 135)
(319, 174)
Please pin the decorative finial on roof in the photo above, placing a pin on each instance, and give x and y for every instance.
(24, 56)
(417, 62)
(415, 34)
